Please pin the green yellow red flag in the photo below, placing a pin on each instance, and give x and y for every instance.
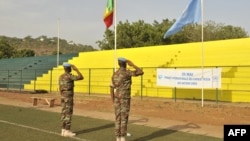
(108, 14)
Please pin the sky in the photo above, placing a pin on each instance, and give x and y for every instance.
(81, 21)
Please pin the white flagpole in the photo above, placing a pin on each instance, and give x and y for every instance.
(202, 53)
(58, 38)
(115, 56)
(58, 50)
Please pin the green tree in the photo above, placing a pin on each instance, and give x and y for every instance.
(28, 38)
(43, 45)
(6, 51)
(108, 41)
(139, 34)
(24, 53)
(55, 53)
(219, 31)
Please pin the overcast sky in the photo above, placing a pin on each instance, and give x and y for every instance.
(81, 21)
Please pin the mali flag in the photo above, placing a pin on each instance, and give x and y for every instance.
(108, 14)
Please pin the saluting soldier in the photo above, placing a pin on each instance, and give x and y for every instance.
(120, 91)
(66, 88)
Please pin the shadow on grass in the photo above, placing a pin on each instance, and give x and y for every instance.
(107, 126)
(167, 131)
(95, 128)
(156, 134)
(139, 120)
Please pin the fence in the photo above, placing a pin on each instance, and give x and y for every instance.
(235, 83)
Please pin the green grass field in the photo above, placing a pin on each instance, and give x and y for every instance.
(30, 124)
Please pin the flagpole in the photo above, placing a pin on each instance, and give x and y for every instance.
(202, 53)
(58, 49)
(58, 38)
(115, 55)
(191, 15)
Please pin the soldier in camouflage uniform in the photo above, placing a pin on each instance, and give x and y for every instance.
(66, 88)
(120, 90)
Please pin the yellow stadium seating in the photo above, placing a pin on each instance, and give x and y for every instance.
(97, 67)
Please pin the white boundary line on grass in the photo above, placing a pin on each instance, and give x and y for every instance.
(41, 130)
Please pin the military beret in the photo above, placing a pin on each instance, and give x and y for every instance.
(122, 59)
(66, 65)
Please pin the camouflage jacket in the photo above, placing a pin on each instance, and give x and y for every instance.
(121, 82)
(66, 82)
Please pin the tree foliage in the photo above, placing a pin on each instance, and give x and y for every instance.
(128, 35)
(140, 34)
(24, 53)
(42, 45)
(6, 51)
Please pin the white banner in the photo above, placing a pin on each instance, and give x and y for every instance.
(189, 78)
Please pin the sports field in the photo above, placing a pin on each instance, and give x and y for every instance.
(19, 123)
(93, 120)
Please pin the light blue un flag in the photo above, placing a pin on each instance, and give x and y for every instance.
(192, 14)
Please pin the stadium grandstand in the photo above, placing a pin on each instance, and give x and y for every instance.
(16, 72)
(232, 56)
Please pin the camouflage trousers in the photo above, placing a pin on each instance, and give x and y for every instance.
(67, 111)
(122, 108)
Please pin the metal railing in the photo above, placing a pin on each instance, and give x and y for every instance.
(97, 80)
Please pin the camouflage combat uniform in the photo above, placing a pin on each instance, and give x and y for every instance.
(121, 82)
(66, 86)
